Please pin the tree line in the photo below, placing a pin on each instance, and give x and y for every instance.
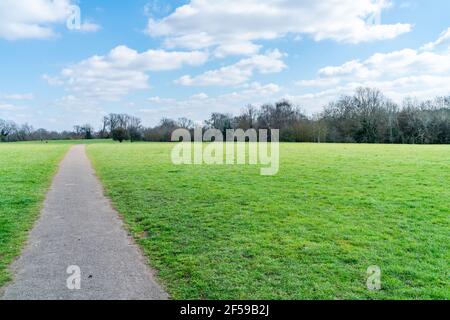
(367, 116)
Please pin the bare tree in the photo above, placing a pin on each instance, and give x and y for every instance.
(6, 129)
(220, 121)
(134, 127)
(185, 123)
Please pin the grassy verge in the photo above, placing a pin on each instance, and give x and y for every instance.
(26, 171)
(310, 232)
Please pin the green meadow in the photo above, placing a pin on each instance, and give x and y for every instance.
(26, 170)
(310, 232)
(226, 232)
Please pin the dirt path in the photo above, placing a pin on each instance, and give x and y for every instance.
(78, 227)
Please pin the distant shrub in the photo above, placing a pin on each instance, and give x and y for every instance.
(120, 134)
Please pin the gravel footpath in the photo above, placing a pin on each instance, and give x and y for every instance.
(78, 227)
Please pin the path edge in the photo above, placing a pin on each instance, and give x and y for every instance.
(125, 226)
(38, 215)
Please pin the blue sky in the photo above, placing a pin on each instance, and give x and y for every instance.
(159, 58)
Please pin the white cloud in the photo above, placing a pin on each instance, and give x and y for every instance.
(158, 100)
(256, 89)
(11, 111)
(195, 106)
(238, 73)
(156, 7)
(200, 96)
(121, 71)
(421, 87)
(442, 41)
(406, 62)
(80, 105)
(407, 72)
(17, 96)
(232, 26)
(88, 27)
(241, 48)
(36, 19)
(7, 107)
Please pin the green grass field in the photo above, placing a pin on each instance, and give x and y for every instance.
(26, 171)
(311, 232)
(225, 232)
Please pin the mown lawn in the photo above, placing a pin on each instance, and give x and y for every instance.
(311, 232)
(26, 171)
